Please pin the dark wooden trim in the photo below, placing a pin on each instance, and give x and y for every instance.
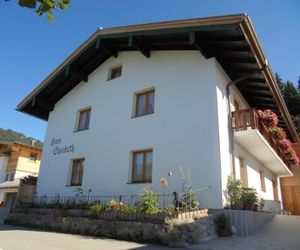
(145, 93)
(142, 47)
(79, 75)
(134, 154)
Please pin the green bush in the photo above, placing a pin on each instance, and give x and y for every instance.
(233, 192)
(96, 208)
(222, 222)
(249, 196)
(149, 201)
(188, 201)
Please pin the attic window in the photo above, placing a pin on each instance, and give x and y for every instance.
(115, 72)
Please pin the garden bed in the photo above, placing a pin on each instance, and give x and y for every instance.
(114, 215)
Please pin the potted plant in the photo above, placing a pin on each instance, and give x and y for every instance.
(249, 198)
(222, 225)
(233, 193)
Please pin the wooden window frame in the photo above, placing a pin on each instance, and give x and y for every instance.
(262, 181)
(71, 183)
(80, 112)
(134, 154)
(111, 74)
(147, 102)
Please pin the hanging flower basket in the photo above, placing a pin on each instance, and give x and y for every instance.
(277, 133)
(270, 120)
(284, 144)
(268, 117)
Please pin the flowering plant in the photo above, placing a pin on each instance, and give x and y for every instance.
(268, 117)
(270, 120)
(284, 144)
(277, 133)
(113, 205)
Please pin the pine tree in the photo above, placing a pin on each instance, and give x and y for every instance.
(298, 85)
(280, 83)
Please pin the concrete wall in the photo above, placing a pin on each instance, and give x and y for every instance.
(245, 222)
(183, 131)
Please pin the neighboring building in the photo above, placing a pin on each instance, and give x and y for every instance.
(18, 162)
(290, 188)
(134, 102)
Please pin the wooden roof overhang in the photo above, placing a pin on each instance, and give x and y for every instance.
(230, 39)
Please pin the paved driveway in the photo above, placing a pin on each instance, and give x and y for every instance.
(12, 238)
(282, 232)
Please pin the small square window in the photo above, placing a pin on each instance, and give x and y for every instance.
(84, 119)
(115, 72)
(33, 157)
(144, 103)
(142, 166)
(77, 172)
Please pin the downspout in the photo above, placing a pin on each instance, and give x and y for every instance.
(231, 142)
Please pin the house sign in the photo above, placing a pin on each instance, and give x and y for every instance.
(61, 149)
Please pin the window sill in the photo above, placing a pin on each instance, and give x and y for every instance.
(110, 79)
(137, 116)
(76, 131)
(78, 185)
(140, 182)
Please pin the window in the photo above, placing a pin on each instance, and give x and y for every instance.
(262, 181)
(84, 119)
(142, 166)
(33, 157)
(12, 176)
(144, 103)
(115, 72)
(77, 172)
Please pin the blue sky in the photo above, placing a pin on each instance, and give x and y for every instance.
(31, 47)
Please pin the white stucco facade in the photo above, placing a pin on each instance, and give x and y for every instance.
(189, 127)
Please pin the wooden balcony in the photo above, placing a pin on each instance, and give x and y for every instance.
(255, 137)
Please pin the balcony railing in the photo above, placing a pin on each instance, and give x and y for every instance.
(248, 119)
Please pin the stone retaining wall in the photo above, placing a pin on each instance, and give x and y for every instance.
(172, 232)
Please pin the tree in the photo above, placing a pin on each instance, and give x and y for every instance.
(298, 85)
(279, 82)
(44, 6)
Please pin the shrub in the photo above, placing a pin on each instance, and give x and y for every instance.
(149, 201)
(233, 192)
(222, 225)
(188, 201)
(249, 196)
(96, 208)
